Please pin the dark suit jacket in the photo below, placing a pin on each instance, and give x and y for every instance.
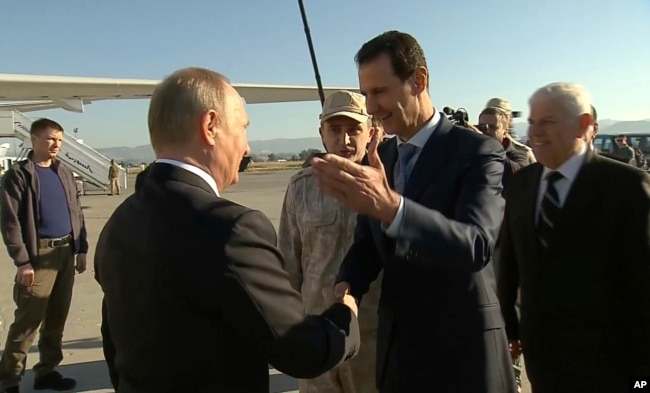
(438, 297)
(614, 157)
(197, 299)
(515, 160)
(585, 303)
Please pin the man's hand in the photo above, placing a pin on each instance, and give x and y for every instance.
(363, 189)
(515, 349)
(378, 133)
(349, 301)
(336, 294)
(25, 275)
(341, 289)
(80, 266)
(340, 294)
(473, 128)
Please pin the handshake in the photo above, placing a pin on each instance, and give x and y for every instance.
(341, 293)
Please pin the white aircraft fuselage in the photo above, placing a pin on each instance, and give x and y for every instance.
(27, 93)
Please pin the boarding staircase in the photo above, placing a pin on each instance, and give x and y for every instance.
(87, 163)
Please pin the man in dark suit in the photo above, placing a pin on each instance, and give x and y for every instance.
(195, 294)
(590, 137)
(576, 239)
(107, 344)
(430, 221)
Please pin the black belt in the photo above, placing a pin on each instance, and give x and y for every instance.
(57, 242)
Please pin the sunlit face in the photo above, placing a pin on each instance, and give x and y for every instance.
(47, 143)
(555, 135)
(346, 137)
(227, 137)
(495, 129)
(389, 99)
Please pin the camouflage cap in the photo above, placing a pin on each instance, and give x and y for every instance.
(500, 103)
(345, 103)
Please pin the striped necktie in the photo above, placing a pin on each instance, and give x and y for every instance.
(550, 209)
(405, 152)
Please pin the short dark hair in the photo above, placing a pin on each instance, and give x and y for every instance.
(43, 124)
(501, 115)
(406, 54)
(594, 113)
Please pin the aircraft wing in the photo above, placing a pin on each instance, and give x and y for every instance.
(38, 92)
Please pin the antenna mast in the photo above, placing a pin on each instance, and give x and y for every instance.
(312, 53)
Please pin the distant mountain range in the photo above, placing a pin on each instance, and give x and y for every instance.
(280, 146)
(294, 146)
(606, 126)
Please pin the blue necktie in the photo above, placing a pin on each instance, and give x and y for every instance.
(405, 152)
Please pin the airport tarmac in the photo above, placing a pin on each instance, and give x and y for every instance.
(83, 357)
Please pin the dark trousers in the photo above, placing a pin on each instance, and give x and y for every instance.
(459, 370)
(46, 304)
(109, 349)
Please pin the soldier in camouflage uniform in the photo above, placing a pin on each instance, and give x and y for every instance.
(113, 177)
(515, 349)
(315, 234)
(505, 105)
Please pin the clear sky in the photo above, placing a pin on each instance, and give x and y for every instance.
(476, 49)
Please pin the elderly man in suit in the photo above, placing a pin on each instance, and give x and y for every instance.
(576, 240)
(430, 208)
(195, 293)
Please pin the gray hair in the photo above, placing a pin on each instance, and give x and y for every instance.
(574, 97)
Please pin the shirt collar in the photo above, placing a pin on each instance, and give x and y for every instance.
(571, 167)
(196, 170)
(422, 136)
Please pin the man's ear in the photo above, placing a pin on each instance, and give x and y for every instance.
(320, 132)
(371, 133)
(585, 120)
(210, 123)
(420, 79)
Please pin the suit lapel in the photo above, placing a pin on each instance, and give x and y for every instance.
(529, 210)
(388, 155)
(429, 164)
(579, 192)
(431, 160)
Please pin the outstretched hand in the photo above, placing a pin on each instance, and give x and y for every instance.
(340, 294)
(363, 189)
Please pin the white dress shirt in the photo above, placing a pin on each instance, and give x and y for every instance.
(569, 171)
(418, 140)
(195, 170)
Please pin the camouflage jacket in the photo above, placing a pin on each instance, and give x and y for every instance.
(113, 172)
(523, 148)
(314, 236)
